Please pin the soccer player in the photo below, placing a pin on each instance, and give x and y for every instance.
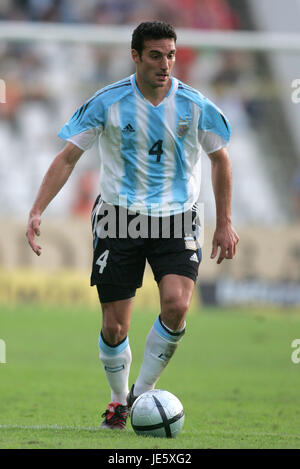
(150, 128)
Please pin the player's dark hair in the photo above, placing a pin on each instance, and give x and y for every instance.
(151, 30)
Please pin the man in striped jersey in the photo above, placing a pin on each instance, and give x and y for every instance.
(150, 128)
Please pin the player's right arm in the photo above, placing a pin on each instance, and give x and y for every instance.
(55, 178)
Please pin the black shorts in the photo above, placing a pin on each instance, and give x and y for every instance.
(123, 241)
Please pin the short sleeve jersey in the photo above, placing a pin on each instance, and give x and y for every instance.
(149, 155)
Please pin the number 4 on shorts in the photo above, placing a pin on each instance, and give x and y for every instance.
(102, 260)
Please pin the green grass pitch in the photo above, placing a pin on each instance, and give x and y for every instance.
(233, 373)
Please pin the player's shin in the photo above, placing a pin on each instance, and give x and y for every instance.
(116, 362)
(161, 344)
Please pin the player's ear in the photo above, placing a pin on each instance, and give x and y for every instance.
(135, 55)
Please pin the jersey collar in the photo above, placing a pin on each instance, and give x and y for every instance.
(171, 92)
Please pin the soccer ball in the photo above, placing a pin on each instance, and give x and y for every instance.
(157, 413)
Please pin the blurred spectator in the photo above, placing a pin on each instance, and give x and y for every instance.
(115, 11)
(199, 14)
(185, 57)
(210, 14)
(85, 194)
(203, 14)
(14, 98)
(235, 79)
(43, 10)
(22, 69)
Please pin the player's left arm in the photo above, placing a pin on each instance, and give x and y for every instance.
(225, 235)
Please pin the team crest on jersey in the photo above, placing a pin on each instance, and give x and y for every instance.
(182, 127)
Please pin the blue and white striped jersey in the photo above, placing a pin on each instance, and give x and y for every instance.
(149, 155)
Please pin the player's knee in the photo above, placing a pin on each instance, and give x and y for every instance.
(113, 333)
(176, 304)
(174, 309)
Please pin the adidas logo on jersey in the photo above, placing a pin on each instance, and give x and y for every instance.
(194, 257)
(128, 128)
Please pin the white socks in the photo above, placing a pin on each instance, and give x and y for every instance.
(161, 344)
(116, 362)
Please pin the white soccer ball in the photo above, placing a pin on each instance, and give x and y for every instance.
(157, 413)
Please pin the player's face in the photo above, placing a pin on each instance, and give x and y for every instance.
(155, 65)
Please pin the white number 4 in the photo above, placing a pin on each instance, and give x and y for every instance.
(102, 260)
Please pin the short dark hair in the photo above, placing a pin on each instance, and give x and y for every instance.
(151, 30)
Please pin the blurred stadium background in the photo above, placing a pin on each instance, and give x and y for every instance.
(54, 54)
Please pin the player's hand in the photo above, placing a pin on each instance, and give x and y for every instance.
(33, 229)
(225, 238)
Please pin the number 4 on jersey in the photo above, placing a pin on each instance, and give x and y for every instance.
(102, 261)
(157, 150)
